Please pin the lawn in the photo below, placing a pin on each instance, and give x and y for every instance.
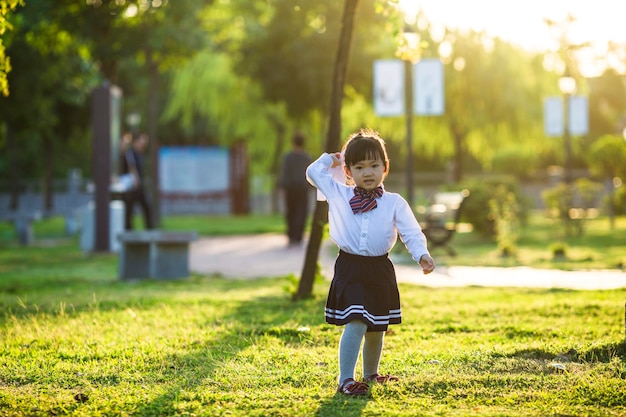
(76, 341)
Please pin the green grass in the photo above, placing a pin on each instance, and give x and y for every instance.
(76, 341)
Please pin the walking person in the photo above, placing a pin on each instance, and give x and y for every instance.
(364, 222)
(133, 162)
(295, 189)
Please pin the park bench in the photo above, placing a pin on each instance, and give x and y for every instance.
(154, 254)
(441, 218)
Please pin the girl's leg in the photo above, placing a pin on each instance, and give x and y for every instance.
(349, 347)
(372, 350)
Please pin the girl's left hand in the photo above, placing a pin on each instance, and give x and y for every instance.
(427, 263)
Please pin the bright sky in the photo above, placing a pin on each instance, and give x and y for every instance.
(521, 21)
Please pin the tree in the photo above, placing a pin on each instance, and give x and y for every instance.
(305, 287)
(493, 95)
(128, 41)
(5, 63)
(46, 108)
(607, 103)
(288, 49)
(203, 95)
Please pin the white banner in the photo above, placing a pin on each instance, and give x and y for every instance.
(553, 116)
(428, 88)
(578, 116)
(389, 87)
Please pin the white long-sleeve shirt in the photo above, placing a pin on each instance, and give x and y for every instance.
(373, 233)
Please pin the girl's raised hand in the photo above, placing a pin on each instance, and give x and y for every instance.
(336, 159)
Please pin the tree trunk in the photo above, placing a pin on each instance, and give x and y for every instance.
(14, 170)
(612, 205)
(48, 174)
(153, 114)
(458, 157)
(320, 216)
(276, 161)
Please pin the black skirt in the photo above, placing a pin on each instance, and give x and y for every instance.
(364, 288)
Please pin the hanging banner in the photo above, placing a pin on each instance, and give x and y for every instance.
(553, 116)
(389, 87)
(578, 115)
(428, 91)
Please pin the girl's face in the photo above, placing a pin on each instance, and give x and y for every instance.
(368, 173)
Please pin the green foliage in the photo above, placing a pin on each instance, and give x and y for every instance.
(616, 202)
(6, 6)
(607, 103)
(492, 92)
(49, 111)
(205, 92)
(504, 210)
(493, 199)
(521, 163)
(572, 204)
(290, 49)
(78, 342)
(607, 157)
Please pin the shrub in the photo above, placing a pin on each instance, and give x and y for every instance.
(477, 208)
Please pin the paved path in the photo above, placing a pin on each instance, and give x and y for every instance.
(267, 255)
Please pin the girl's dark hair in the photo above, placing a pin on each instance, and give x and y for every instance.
(362, 145)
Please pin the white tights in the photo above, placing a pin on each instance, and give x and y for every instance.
(350, 345)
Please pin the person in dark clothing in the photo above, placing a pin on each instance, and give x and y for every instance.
(295, 189)
(133, 163)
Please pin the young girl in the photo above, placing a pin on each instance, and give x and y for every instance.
(365, 221)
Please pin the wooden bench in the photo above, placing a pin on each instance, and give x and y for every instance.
(154, 254)
(441, 218)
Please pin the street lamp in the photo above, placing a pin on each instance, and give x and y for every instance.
(567, 85)
(409, 55)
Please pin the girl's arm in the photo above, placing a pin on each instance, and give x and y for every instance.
(412, 236)
(319, 173)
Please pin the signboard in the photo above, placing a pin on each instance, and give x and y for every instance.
(428, 92)
(389, 87)
(193, 169)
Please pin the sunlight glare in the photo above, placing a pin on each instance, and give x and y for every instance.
(522, 22)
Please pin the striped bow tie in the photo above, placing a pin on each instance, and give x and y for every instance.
(364, 200)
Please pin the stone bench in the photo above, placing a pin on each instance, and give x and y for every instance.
(23, 222)
(154, 254)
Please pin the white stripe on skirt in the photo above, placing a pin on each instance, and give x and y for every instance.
(359, 309)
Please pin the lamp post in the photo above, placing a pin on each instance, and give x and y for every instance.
(567, 85)
(409, 56)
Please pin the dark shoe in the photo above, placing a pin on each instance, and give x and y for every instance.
(352, 387)
(381, 379)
